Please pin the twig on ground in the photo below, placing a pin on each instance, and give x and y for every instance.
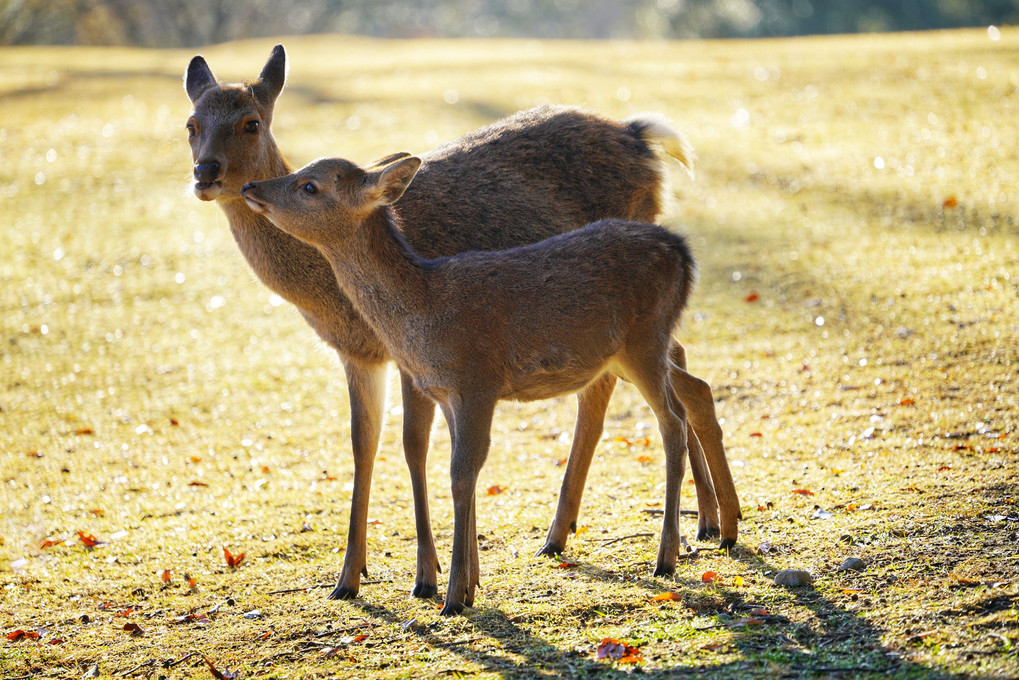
(319, 585)
(610, 541)
(150, 662)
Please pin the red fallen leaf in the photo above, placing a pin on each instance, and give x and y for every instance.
(666, 597)
(33, 454)
(89, 540)
(125, 613)
(710, 577)
(567, 565)
(645, 459)
(560, 462)
(84, 430)
(56, 641)
(992, 449)
(761, 508)
(756, 434)
(212, 669)
(192, 584)
(375, 523)
(233, 561)
(22, 635)
(803, 492)
(359, 638)
(174, 422)
(740, 623)
(197, 484)
(49, 544)
(753, 297)
(265, 635)
(909, 401)
(944, 467)
(195, 459)
(134, 629)
(758, 611)
(166, 576)
(617, 651)
(911, 488)
(98, 512)
(265, 469)
(950, 202)
(495, 490)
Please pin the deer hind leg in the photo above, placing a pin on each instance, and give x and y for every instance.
(591, 405)
(470, 420)
(366, 385)
(649, 372)
(696, 396)
(707, 503)
(418, 414)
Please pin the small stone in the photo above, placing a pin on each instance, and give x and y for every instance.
(793, 578)
(854, 563)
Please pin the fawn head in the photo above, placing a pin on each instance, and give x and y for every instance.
(229, 128)
(323, 199)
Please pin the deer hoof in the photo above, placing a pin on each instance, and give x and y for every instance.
(452, 609)
(726, 543)
(665, 570)
(708, 532)
(550, 550)
(425, 591)
(341, 592)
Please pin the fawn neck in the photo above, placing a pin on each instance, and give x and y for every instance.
(387, 282)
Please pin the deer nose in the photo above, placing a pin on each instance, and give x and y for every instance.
(207, 171)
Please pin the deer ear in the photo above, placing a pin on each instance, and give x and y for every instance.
(272, 78)
(389, 183)
(197, 78)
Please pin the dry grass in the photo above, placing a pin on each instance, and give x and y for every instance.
(155, 396)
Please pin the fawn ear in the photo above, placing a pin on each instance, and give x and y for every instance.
(197, 78)
(388, 183)
(391, 158)
(271, 80)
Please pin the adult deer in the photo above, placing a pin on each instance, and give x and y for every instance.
(526, 323)
(532, 175)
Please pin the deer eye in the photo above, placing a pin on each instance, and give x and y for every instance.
(251, 126)
(192, 130)
(309, 188)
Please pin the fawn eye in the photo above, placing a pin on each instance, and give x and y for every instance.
(309, 188)
(192, 130)
(251, 126)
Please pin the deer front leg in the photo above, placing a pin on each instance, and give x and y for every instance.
(418, 414)
(591, 405)
(471, 423)
(366, 385)
(707, 501)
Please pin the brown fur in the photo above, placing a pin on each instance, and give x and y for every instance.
(563, 166)
(526, 323)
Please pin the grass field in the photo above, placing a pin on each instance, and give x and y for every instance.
(854, 215)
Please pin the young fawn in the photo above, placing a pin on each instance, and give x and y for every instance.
(528, 323)
(532, 175)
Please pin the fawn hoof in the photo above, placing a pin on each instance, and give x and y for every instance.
(726, 543)
(342, 592)
(425, 591)
(551, 549)
(665, 570)
(452, 609)
(705, 533)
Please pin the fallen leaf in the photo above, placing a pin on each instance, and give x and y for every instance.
(944, 467)
(738, 581)
(360, 638)
(666, 597)
(265, 635)
(580, 530)
(756, 434)
(752, 297)
(751, 621)
(88, 540)
(495, 490)
(22, 635)
(56, 641)
(195, 459)
(174, 422)
(49, 544)
(84, 430)
(33, 454)
(567, 565)
(233, 561)
(803, 492)
(134, 629)
(909, 401)
(197, 484)
(645, 459)
(710, 577)
(166, 576)
(851, 591)
(950, 202)
(98, 512)
(125, 613)
(192, 584)
(212, 669)
(617, 651)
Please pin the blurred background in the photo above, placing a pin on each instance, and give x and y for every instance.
(186, 23)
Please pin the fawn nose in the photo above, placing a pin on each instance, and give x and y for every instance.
(207, 171)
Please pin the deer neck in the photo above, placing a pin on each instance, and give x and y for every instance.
(387, 282)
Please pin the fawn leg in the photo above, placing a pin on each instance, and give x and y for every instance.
(418, 413)
(707, 503)
(366, 384)
(471, 423)
(696, 396)
(650, 374)
(591, 405)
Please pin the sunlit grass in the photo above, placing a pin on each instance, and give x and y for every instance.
(854, 217)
